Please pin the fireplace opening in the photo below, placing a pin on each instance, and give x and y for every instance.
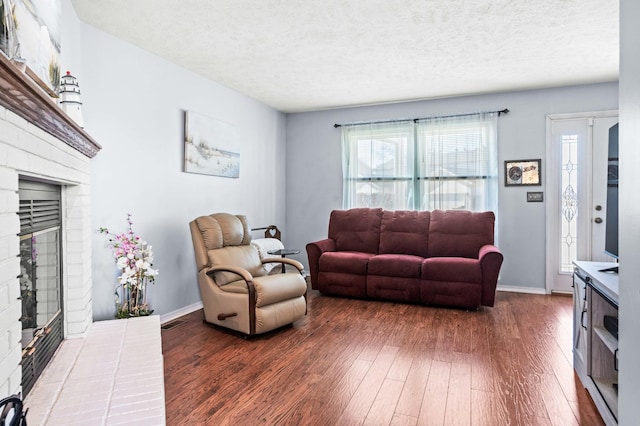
(40, 277)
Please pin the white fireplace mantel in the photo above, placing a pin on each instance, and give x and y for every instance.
(22, 96)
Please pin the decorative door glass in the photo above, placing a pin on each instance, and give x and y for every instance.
(569, 203)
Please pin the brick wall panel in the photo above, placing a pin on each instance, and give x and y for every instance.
(29, 149)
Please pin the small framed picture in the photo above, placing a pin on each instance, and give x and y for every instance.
(522, 172)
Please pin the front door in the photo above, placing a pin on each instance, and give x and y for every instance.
(577, 157)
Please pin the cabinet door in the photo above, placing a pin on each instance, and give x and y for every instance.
(580, 319)
(603, 349)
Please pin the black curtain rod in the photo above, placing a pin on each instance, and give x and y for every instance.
(503, 111)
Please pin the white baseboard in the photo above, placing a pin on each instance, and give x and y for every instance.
(516, 289)
(180, 312)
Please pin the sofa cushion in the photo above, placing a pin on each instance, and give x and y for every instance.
(404, 232)
(453, 269)
(393, 288)
(348, 262)
(451, 293)
(458, 233)
(356, 229)
(341, 284)
(395, 265)
(449, 281)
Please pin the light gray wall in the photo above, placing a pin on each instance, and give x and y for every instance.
(70, 40)
(629, 374)
(134, 105)
(314, 169)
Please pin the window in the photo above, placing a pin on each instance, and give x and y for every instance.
(438, 163)
(378, 161)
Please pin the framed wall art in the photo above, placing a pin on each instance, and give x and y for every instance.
(522, 172)
(30, 35)
(211, 146)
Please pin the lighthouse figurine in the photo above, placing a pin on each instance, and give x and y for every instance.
(70, 98)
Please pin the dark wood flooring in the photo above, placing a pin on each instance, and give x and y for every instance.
(352, 362)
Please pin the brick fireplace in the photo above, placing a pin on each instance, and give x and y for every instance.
(39, 143)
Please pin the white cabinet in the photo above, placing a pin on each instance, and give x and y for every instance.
(595, 348)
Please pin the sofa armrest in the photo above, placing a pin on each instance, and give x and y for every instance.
(314, 251)
(490, 262)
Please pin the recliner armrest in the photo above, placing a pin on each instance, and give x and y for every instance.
(291, 262)
(244, 274)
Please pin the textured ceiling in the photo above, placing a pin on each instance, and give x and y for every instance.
(298, 55)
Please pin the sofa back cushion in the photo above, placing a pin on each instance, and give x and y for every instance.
(356, 229)
(404, 232)
(459, 233)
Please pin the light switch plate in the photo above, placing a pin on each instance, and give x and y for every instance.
(535, 197)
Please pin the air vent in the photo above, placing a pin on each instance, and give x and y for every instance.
(171, 324)
(39, 206)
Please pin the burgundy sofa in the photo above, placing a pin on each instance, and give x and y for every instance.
(435, 258)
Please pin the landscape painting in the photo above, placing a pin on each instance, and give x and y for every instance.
(31, 34)
(211, 147)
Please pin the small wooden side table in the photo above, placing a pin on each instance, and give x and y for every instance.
(283, 253)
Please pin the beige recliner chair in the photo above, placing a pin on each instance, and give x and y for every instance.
(236, 291)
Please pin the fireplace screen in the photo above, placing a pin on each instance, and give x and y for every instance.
(39, 281)
(40, 277)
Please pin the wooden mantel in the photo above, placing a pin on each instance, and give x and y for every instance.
(18, 93)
